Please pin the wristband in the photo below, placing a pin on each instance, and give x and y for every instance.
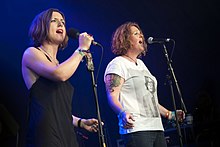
(120, 113)
(82, 51)
(167, 114)
(79, 123)
(173, 115)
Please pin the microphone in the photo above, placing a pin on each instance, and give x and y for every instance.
(152, 40)
(74, 34)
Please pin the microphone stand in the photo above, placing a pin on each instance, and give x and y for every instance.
(90, 68)
(172, 75)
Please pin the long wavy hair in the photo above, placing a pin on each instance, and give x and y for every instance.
(39, 28)
(120, 39)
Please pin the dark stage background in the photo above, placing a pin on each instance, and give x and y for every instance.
(193, 24)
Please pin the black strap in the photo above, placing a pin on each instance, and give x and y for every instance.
(45, 55)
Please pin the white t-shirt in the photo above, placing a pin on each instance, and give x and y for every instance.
(138, 94)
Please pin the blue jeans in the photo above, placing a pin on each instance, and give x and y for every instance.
(145, 139)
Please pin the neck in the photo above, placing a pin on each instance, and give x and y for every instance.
(131, 58)
(51, 52)
(50, 49)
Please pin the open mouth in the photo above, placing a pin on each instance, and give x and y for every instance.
(59, 31)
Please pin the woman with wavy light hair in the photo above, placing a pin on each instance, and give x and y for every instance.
(132, 90)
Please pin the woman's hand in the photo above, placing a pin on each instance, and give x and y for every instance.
(180, 115)
(127, 120)
(85, 41)
(90, 125)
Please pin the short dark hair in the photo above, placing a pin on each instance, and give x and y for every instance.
(39, 29)
(120, 42)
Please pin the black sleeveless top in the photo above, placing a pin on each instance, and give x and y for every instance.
(50, 115)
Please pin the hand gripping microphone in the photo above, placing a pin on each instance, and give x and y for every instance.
(74, 34)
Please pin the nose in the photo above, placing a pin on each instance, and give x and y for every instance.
(59, 23)
(141, 35)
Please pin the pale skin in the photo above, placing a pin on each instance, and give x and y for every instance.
(114, 82)
(36, 64)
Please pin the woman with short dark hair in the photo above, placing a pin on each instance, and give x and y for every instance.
(50, 119)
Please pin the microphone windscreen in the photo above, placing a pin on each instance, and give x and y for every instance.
(150, 40)
(73, 33)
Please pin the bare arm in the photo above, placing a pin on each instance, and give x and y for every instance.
(113, 84)
(170, 115)
(35, 61)
(164, 112)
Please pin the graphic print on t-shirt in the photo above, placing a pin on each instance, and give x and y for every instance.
(149, 99)
(144, 92)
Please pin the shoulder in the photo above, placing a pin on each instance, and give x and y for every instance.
(116, 66)
(115, 63)
(141, 63)
(30, 54)
(30, 50)
(117, 60)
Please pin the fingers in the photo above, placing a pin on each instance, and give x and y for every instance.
(95, 121)
(95, 125)
(94, 128)
(128, 121)
(128, 125)
(92, 125)
(180, 115)
(88, 36)
(132, 118)
(85, 40)
(184, 115)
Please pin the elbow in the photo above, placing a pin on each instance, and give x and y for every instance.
(60, 76)
(63, 79)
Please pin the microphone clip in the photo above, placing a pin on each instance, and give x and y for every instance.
(89, 62)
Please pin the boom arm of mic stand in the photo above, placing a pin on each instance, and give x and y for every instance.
(172, 93)
(90, 68)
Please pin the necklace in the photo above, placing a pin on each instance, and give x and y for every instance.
(51, 58)
(132, 60)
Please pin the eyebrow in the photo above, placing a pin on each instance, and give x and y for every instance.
(57, 18)
(138, 31)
